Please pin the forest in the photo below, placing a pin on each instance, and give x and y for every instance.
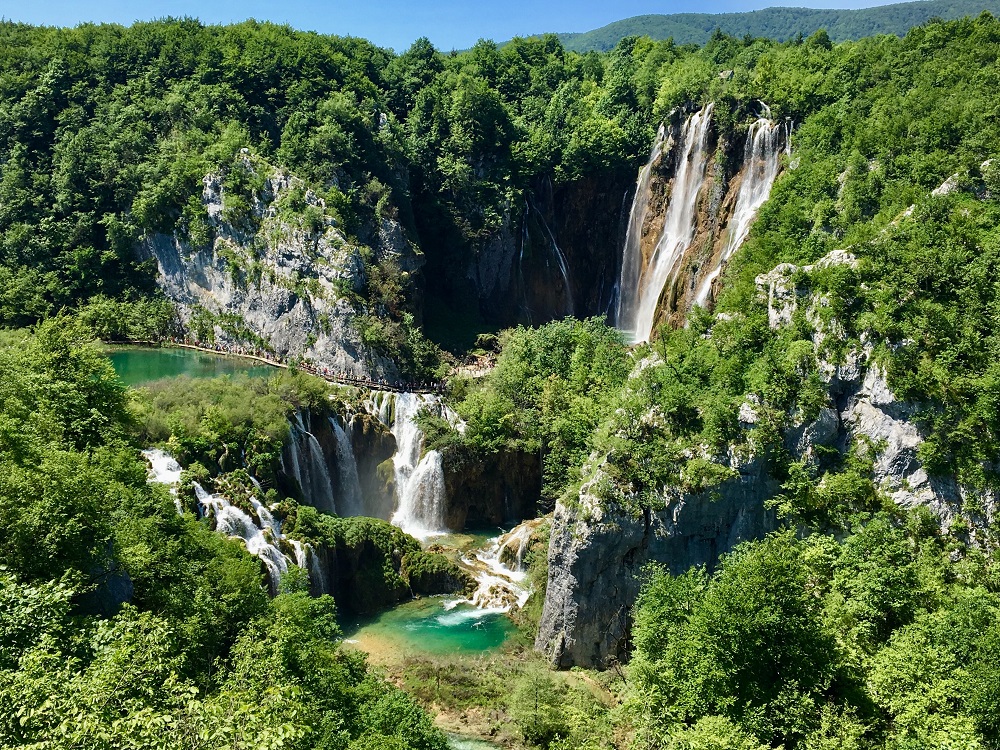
(856, 622)
(778, 23)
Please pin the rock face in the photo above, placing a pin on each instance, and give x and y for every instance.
(597, 551)
(596, 554)
(556, 253)
(280, 277)
(502, 490)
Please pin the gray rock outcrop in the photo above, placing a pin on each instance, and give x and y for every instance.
(283, 280)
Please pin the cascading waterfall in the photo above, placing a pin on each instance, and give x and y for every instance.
(561, 261)
(351, 497)
(499, 570)
(261, 541)
(632, 255)
(638, 304)
(761, 162)
(420, 488)
(260, 532)
(303, 459)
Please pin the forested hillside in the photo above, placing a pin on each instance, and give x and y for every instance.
(774, 523)
(778, 23)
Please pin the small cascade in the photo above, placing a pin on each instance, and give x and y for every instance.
(260, 532)
(260, 540)
(303, 459)
(351, 497)
(761, 162)
(165, 470)
(561, 261)
(420, 488)
(639, 303)
(380, 405)
(500, 572)
(632, 253)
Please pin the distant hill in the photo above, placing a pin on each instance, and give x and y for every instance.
(779, 23)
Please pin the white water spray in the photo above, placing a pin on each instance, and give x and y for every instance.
(165, 470)
(761, 163)
(500, 572)
(638, 315)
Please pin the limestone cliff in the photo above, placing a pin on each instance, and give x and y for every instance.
(597, 550)
(281, 276)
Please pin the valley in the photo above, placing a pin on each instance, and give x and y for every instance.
(635, 400)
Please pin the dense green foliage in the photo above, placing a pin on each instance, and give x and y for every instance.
(881, 635)
(227, 423)
(778, 23)
(106, 134)
(876, 641)
(549, 391)
(200, 657)
(867, 629)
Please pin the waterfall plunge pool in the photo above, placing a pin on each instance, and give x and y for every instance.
(434, 625)
(137, 366)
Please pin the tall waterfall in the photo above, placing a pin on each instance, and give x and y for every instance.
(303, 459)
(632, 255)
(351, 498)
(420, 488)
(639, 302)
(761, 162)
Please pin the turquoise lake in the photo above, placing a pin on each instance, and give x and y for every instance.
(137, 366)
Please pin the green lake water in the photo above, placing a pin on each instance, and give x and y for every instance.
(138, 366)
(426, 626)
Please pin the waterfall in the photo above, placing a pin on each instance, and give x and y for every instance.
(261, 541)
(561, 260)
(639, 313)
(628, 281)
(165, 470)
(420, 489)
(351, 498)
(499, 570)
(761, 161)
(260, 532)
(305, 462)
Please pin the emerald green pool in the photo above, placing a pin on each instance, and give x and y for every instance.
(137, 366)
(427, 626)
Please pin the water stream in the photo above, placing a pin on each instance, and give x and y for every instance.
(761, 162)
(638, 304)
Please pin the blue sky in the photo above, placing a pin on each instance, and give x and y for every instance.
(393, 23)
